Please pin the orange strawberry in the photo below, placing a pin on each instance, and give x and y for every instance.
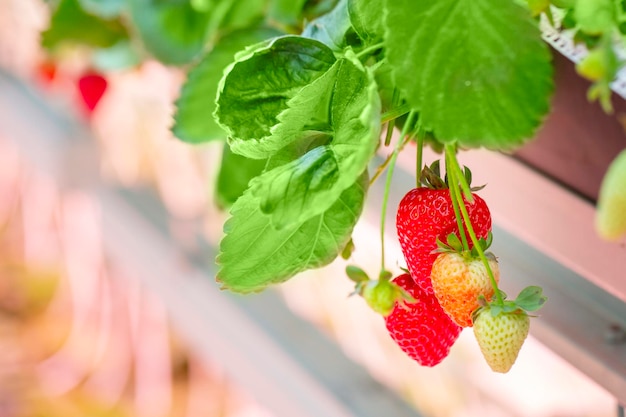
(458, 280)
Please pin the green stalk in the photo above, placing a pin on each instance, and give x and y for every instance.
(392, 123)
(454, 173)
(392, 164)
(452, 188)
(390, 126)
(369, 49)
(467, 191)
(395, 113)
(419, 152)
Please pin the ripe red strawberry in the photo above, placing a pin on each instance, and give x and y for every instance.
(501, 337)
(458, 280)
(425, 214)
(92, 87)
(421, 328)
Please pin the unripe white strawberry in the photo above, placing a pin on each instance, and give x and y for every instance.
(501, 337)
(611, 214)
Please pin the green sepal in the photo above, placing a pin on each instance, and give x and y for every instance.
(384, 275)
(484, 245)
(529, 299)
(431, 177)
(452, 245)
(356, 274)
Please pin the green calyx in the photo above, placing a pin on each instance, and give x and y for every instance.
(430, 177)
(454, 245)
(530, 299)
(381, 294)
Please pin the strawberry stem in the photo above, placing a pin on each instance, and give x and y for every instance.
(404, 138)
(453, 188)
(369, 50)
(419, 155)
(392, 123)
(467, 191)
(454, 174)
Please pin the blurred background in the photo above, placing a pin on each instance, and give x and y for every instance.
(81, 334)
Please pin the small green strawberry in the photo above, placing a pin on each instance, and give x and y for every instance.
(382, 294)
(611, 214)
(500, 329)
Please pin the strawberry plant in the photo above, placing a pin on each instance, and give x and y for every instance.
(300, 92)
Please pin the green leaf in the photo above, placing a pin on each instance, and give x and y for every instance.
(254, 255)
(595, 16)
(257, 86)
(367, 19)
(174, 32)
(531, 298)
(476, 70)
(103, 8)
(193, 121)
(69, 22)
(307, 186)
(305, 121)
(235, 173)
(244, 14)
(288, 12)
(333, 29)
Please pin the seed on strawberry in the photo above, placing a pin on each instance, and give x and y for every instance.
(425, 215)
(421, 328)
(501, 337)
(458, 281)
